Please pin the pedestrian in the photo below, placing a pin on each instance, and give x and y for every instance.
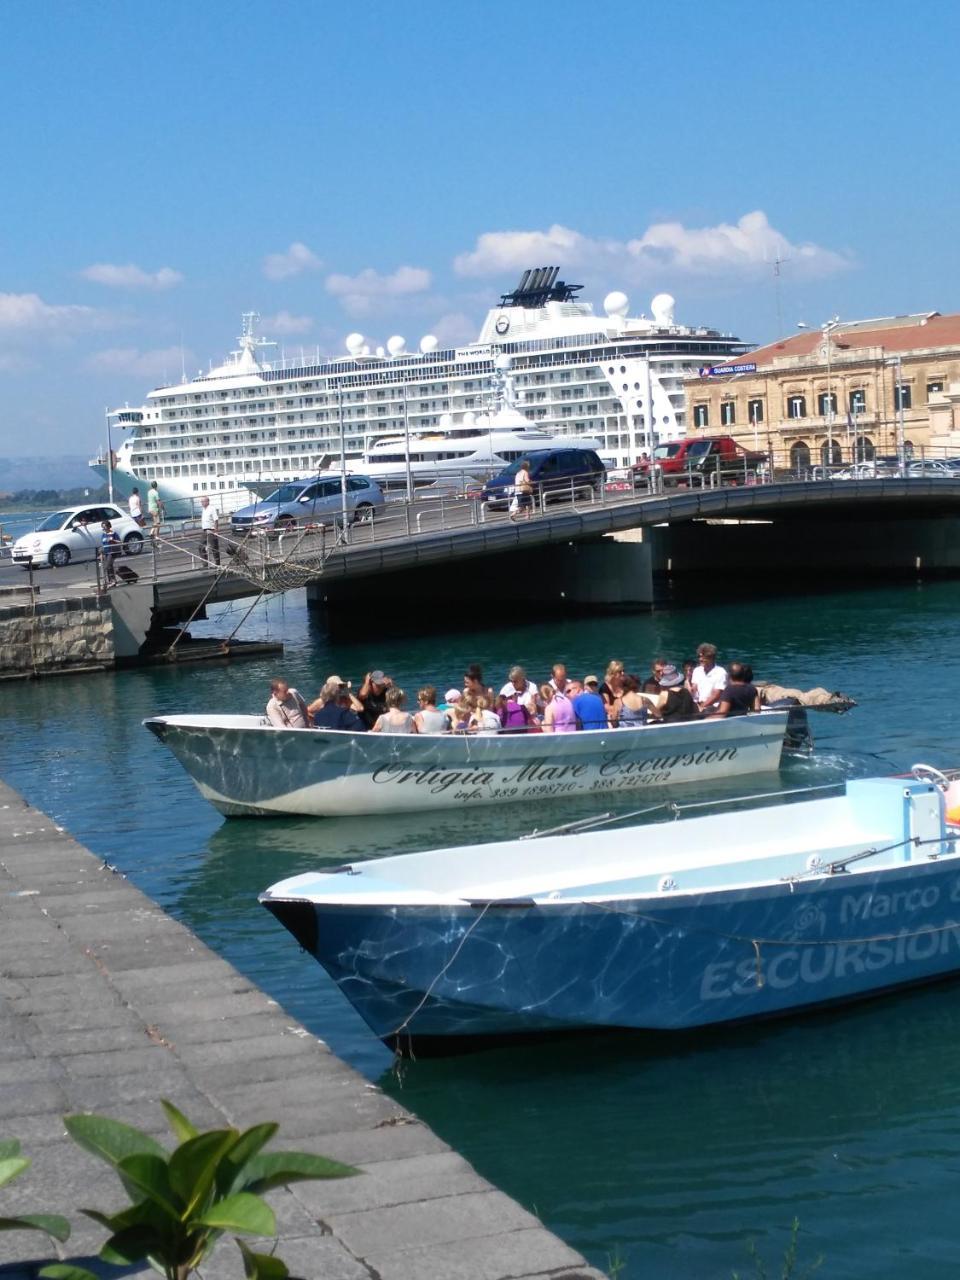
(155, 508)
(708, 680)
(109, 549)
(395, 719)
(337, 708)
(373, 696)
(135, 506)
(428, 718)
(286, 709)
(589, 706)
(523, 492)
(209, 538)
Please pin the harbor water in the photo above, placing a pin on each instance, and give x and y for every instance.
(667, 1155)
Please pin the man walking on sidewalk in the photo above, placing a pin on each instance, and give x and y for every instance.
(209, 538)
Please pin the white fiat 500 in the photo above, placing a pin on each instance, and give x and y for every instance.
(73, 533)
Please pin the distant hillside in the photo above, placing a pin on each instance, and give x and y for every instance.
(68, 471)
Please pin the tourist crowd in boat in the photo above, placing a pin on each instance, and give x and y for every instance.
(561, 704)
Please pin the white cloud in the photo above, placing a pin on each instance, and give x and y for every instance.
(297, 259)
(748, 246)
(284, 323)
(360, 294)
(130, 276)
(455, 328)
(27, 312)
(158, 363)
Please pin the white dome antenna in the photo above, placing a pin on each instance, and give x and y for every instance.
(616, 304)
(381, 352)
(662, 308)
(429, 343)
(396, 345)
(354, 343)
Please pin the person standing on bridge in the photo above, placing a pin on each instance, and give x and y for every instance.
(523, 489)
(135, 506)
(155, 508)
(209, 538)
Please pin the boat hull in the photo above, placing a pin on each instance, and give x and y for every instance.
(422, 975)
(244, 767)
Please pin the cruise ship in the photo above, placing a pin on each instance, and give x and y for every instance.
(545, 370)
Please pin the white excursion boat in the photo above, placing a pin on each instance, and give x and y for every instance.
(612, 382)
(244, 765)
(665, 926)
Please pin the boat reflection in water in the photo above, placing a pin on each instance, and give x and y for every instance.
(670, 926)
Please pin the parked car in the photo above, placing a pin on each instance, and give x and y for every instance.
(699, 456)
(554, 472)
(931, 467)
(316, 501)
(873, 470)
(73, 533)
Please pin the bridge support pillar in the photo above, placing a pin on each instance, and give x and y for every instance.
(602, 575)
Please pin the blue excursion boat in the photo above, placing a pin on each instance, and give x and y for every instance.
(666, 926)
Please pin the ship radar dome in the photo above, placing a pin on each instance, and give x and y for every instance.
(502, 362)
(354, 343)
(446, 421)
(616, 303)
(396, 345)
(429, 343)
(469, 419)
(381, 352)
(662, 308)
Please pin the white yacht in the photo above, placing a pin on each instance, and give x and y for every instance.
(545, 370)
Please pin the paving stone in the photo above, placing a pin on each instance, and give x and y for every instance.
(509, 1256)
(28, 1099)
(391, 1182)
(308, 1258)
(385, 1142)
(409, 1226)
(282, 1043)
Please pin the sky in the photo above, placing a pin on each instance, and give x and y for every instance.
(391, 169)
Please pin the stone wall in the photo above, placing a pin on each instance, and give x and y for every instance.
(50, 637)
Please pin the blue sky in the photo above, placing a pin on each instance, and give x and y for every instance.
(391, 169)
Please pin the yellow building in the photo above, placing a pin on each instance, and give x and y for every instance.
(834, 396)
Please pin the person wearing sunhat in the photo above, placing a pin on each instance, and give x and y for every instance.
(589, 707)
(373, 696)
(674, 699)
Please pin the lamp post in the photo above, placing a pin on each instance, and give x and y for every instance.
(343, 463)
(109, 456)
(406, 442)
(826, 330)
(896, 362)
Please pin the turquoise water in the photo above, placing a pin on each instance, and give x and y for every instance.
(669, 1155)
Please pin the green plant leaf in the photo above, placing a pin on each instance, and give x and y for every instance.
(193, 1166)
(277, 1168)
(246, 1214)
(110, 1140)
(150, 1175)
(180, 1126)
(262, 1266)
(12, 1167)
(9, 1147)
(66, 1271)
(51, 1223)
(232, 1174)
(131, 1245)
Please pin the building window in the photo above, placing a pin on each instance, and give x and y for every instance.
(701, 417)
(858, 401)
(934, 388)
(800, 456)
(827, 403)
(864, 450)
(901, 396)
(755, 408)
(728, 414)
(797, 407)
(831, 455)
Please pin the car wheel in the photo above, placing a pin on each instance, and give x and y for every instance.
(286, 524)
(133, 544)
(363, 513)
(59, 556)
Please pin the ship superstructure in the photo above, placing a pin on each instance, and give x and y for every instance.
(544, 367)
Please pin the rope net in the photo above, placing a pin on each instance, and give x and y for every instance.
(278, 562)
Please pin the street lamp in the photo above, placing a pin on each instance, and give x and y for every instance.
(406, 442)
(343, 464)
(826, 329)
(896, 362)
(109, 457)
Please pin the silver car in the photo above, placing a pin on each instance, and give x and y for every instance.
(316, 501)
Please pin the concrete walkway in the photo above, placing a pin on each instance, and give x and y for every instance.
(107, 1004)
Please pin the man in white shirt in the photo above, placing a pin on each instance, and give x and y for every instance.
(708, 680)
(209, 539)
(286, 709)
(135, 506)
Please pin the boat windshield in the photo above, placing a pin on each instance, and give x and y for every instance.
(666, 451)
(286, 493)
(56, 521)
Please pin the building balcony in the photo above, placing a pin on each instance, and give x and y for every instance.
(819, 424)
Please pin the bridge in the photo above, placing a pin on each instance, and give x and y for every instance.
(606, 552)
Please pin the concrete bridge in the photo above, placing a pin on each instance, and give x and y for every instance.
(610, 553)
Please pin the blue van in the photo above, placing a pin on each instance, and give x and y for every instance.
(555, 473)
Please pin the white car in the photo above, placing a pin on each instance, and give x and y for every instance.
(73, 533)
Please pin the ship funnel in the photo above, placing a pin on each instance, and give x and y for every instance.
(524, 280)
